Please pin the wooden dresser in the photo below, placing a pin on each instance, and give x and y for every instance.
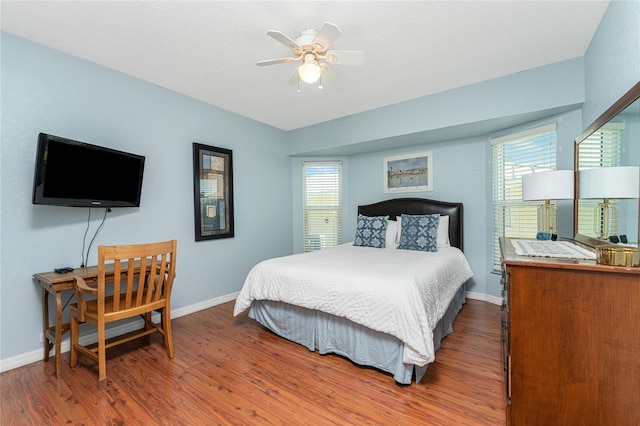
(571, 341)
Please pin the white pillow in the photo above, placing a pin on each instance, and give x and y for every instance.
(443, 231)
(391, 237)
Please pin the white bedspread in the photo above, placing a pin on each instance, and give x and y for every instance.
(400, 292)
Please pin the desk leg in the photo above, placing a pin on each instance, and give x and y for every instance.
(45, 323)
(53, 333)
(59, 331)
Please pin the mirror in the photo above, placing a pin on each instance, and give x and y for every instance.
(607, 160)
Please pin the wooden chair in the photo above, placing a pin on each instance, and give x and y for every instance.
(142, 277)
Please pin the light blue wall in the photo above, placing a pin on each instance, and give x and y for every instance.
(473, 107)
(612, 61)
(46, 91)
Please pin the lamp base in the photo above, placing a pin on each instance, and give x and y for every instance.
(606, 220)
(548, 218)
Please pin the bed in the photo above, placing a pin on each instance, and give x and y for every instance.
(382, 307)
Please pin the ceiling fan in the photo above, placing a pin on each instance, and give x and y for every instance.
(310, 48)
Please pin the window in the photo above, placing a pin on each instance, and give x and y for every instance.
(601, 149)
(512, 157)
(322, 204)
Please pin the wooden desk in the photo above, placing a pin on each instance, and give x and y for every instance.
(54, 283)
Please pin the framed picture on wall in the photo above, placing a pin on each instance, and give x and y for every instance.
(408, 173)
(213, 192)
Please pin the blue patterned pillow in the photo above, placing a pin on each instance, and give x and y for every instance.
(419, 232)
(370, 231)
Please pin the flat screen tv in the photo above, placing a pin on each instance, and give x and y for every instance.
(78, 174)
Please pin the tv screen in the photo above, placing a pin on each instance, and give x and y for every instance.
(78, 174)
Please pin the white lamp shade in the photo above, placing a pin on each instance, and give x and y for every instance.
(551, 185)
(310, 71)
(610, 182)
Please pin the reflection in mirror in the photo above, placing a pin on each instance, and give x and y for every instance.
(609, 184)
(607, 162)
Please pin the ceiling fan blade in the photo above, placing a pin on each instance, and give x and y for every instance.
(284, 39)
(345, 57)
(328, 33)
(275, 61)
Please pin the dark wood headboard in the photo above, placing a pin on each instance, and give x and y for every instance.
(398, 206)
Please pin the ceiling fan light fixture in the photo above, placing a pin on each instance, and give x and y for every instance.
(310, 48)
(310, 71)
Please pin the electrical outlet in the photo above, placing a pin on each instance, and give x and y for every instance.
(41, 337)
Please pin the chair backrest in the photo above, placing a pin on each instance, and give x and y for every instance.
(142, 274)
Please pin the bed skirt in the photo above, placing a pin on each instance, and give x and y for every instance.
(328, 333)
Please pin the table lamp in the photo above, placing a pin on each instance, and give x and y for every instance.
(607, 183)
(547, 186)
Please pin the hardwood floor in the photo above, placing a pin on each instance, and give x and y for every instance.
(232, 371)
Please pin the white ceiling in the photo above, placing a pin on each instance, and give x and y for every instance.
(208, 49)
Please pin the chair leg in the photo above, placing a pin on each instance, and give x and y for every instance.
(166, 326)
(102, 356)
(75, 324)
(147, 326)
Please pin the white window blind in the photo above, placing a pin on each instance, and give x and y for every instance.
(322, 204)
(512, 157)
(601, 149)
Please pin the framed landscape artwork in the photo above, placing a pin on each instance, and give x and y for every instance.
(408, 173)
(213, 192)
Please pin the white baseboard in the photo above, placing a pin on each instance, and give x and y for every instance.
(485, 297)
(38, 355)
(176, 313)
